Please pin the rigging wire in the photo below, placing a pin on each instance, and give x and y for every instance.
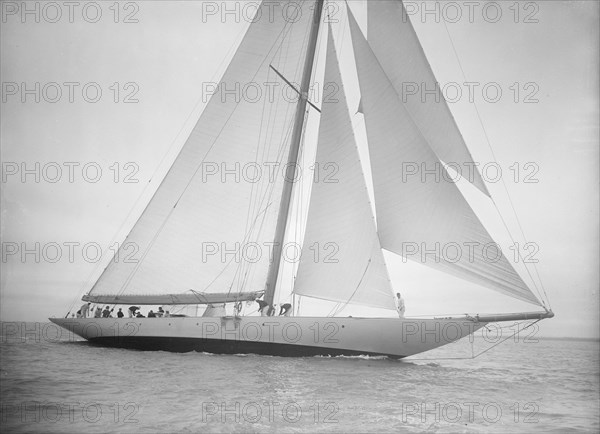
(267, 196)
(489, 143)
(284, 134)
(409, 359)
(298, 198)
(254, 205)
(268, 191)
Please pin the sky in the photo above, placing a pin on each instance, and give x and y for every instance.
(155, 55)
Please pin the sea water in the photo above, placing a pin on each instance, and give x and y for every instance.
(52, 383)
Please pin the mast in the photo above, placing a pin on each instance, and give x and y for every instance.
(284, 208)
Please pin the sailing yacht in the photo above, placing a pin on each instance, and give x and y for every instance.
(210, 237)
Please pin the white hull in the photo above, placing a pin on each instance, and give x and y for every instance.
(282, 336)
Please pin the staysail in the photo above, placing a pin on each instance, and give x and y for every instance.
(397, 47)
(210, 222)
(341, 260)
(422, 216)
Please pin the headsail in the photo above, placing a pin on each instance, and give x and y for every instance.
(209, 224)
(424, 218)
(400, 54)
(341, 260)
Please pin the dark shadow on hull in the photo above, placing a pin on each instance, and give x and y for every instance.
(216, 346)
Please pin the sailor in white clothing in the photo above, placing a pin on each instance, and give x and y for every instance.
(401, 306)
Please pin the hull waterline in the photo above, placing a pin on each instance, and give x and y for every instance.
(277, 336)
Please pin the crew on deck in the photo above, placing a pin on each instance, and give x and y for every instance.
(401, 306)
(262, 305)
(132, 311)
(85, 310)
(285, 309)
(237, 308)
(106, 312)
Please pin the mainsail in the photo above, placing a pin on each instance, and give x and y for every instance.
(209, 224)
(424, 218)
(342, 260)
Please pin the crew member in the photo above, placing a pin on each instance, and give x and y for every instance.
(132, 310)
(262, 307)
(84, 310)
(285, 309)
(401, 306)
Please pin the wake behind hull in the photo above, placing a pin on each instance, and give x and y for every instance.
(276, 336)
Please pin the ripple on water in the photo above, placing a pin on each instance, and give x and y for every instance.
(169, 392)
